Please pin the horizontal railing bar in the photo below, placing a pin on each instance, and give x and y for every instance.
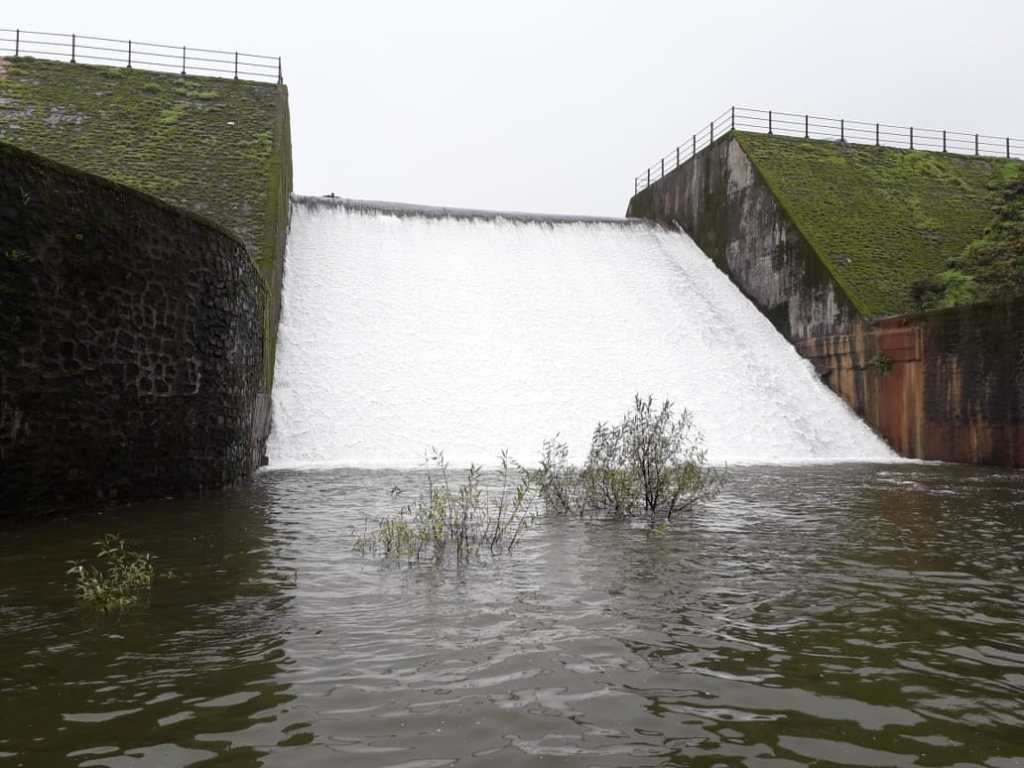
(81, 47)
(830, 128)
(33, 32)
(84, 48)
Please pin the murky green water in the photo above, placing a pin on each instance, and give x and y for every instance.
(813, 615)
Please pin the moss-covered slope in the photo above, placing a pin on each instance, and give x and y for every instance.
(992, 267)
(881, 219)
(209, 145)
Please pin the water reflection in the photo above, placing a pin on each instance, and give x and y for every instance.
(855, 615)
(205, 656)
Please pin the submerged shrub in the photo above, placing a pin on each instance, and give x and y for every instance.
(459, 521)
(653, 463)
(117, 580)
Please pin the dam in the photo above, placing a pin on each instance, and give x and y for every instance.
(830, 604)
(408, 328)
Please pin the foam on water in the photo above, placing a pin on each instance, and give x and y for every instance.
(402, 331)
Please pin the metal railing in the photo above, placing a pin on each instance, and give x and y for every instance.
(830, 129)
(135, 54)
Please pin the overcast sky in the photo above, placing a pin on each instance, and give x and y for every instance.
(554, 106)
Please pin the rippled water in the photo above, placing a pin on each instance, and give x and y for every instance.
(858, 615)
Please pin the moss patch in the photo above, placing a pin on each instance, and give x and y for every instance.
(217, 147)
(203, 144)
(991, 267)
(880, 219)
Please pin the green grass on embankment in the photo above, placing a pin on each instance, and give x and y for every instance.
(218, 147)
(884, 221)
(204, 144)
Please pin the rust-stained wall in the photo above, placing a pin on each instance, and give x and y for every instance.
(945, 385)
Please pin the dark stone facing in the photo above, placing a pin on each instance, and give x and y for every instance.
(131, 347)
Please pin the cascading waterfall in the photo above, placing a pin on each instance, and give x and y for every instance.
(404, 329)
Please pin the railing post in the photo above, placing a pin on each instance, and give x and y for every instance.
(975, 145)
(73, 41)
(129, 54)
(1007, 147)
(280, 74)
(807, 127)
(694, 153)
(712, 139)
(842, 130)
(769, 122)
(663, 167)
(236, 65)
(876, 135)
(943, 142)
(677, 155)
(648, 177)
(911, 137)
(183, 60)
(732, 118)
(636, 184)
(17, 42)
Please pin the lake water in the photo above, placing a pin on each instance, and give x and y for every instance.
(863, 615)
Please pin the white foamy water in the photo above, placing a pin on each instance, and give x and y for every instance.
(402, 332)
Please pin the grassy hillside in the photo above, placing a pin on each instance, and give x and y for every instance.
(210, 145)
(883, 220)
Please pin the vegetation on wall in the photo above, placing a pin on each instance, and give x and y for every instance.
(213, 146)
(886, 222)
(991, 267)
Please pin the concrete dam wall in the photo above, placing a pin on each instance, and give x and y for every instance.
(944, 384)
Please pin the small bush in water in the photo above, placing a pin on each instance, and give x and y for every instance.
(653, 463)
(457, 520)
(119, 577)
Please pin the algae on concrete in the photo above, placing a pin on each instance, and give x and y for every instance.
(881, 219)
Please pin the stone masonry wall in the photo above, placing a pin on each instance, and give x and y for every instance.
(131, 352)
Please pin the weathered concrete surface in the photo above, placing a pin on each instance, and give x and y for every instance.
(945, 385)
(718, 198)
(131, 351)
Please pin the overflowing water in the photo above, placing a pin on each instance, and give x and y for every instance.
(404, 330)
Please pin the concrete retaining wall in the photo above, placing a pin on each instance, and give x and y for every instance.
(944, 385)
(718, 198)
(131, 352)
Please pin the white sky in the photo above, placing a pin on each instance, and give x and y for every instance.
(554, 106)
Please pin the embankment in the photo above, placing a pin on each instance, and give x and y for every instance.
(214, 148)
(828, 241)
(219, 148)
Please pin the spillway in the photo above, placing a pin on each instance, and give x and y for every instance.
(404, 329)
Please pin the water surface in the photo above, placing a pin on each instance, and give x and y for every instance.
(851, 614)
